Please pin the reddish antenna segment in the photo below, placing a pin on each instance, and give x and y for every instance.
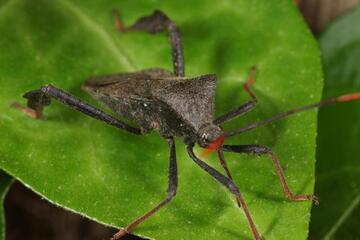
(348, 97)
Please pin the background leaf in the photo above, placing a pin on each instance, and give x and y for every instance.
(338, 166)
(111, 176)
(5, 183)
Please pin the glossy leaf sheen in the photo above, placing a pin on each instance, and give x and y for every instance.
(113, 177)
(338, 166)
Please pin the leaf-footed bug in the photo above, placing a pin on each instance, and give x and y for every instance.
(175, 106)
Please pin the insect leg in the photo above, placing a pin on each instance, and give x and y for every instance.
(158, 22)
(225, 167)
(245, 107)
(261, 150)
(228, 184)
(37, 99)
(171, 192)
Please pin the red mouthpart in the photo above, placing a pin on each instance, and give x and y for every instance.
(213, 146)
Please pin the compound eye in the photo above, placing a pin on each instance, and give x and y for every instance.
(205, 138)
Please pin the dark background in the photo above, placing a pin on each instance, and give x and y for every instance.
(30, 217)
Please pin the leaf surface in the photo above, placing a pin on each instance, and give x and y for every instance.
(111, 176)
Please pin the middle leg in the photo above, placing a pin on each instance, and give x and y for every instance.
(263, 150)
(229, 185)
(227, 170)
(171, 192)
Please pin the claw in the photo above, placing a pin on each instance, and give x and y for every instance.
(315, 199)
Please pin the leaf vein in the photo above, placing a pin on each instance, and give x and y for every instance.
(104, 35)
(342, 218)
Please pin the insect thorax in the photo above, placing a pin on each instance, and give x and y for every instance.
(150, 115)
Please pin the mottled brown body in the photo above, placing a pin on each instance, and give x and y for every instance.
(156, 99)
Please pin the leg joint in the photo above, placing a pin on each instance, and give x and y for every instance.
(233, 188)
(46, 88)
(171, 194)
(260, 149)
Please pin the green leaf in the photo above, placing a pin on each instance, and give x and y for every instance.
(338, 167)
(5, 183)
(111, 176)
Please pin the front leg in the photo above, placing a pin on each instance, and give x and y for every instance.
(38, 99)
(261, 150)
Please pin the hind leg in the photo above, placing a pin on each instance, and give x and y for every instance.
(38, 99)
(155, 23)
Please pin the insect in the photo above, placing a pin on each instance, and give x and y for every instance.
(176, 106)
